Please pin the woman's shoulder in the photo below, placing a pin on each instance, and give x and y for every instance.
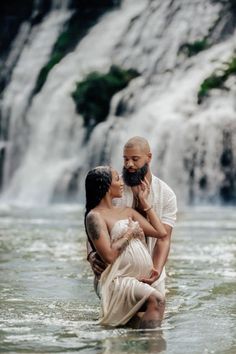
(105, 215)
(95, 222)
(94, 215)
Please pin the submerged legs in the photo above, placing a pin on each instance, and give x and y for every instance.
(154, 313)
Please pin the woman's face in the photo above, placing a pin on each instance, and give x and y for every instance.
(117, 184)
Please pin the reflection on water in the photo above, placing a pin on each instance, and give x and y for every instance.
(47, 303)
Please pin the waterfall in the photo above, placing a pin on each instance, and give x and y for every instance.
(17, 95)
(192, 144)
(55, 130)
(188, 140)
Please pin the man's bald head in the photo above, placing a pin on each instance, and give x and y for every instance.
(138, 141)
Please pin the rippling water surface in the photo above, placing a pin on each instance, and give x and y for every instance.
(47, 302)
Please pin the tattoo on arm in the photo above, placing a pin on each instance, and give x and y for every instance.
(93, 226)
(121, 244)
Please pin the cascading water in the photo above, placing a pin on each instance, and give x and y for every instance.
(192, 144)
(56, 132)
(188, 140)
(17, 95)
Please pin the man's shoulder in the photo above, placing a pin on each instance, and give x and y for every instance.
(159, 183)
(166, 199)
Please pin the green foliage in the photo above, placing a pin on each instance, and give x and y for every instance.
(46, 69)
(217, 80)
(210, 83)
(63, 45)
(85, 15)
(194, 48)
(92, 96)
(231, 69)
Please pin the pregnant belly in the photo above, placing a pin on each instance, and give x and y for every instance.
(135, 260)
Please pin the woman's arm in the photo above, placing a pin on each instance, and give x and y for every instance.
(151, 228)
(99, 235)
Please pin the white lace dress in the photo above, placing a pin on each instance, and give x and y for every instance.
(122, 294)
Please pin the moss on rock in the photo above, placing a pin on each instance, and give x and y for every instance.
(194, 48)
(92, 96)
(85, 16)
(217, 80)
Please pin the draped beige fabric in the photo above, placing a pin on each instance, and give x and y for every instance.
(122, 295)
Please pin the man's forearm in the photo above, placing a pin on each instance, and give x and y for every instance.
(161, 250)
(160, 254)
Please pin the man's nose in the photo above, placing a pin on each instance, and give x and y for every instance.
(129, 164)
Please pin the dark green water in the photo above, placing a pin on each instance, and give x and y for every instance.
(47, 303)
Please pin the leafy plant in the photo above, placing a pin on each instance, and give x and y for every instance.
(85, 16)
(194, 48)
(92, 96)
(217, 80)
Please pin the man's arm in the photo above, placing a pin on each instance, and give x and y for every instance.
(96, 263)
(162, 246)
(160, 255)
(161, 250)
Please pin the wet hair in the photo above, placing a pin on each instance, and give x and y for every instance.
(97, 184)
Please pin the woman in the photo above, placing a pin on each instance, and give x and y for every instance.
(116, 235)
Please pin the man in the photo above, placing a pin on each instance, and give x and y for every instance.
(137, 157)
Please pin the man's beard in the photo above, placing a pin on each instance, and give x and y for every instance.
(132, 179)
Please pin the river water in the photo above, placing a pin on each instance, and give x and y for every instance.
(47, 302)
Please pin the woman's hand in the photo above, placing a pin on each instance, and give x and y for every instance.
(135, 230)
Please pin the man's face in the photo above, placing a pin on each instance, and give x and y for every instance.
(136, 165)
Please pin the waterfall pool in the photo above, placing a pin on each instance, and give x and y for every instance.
(47, 302)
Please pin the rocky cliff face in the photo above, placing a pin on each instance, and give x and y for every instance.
(183, 100)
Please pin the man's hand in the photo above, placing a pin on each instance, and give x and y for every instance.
(97, 265)
(153, 277)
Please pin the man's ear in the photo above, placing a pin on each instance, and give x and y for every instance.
(149, 155)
